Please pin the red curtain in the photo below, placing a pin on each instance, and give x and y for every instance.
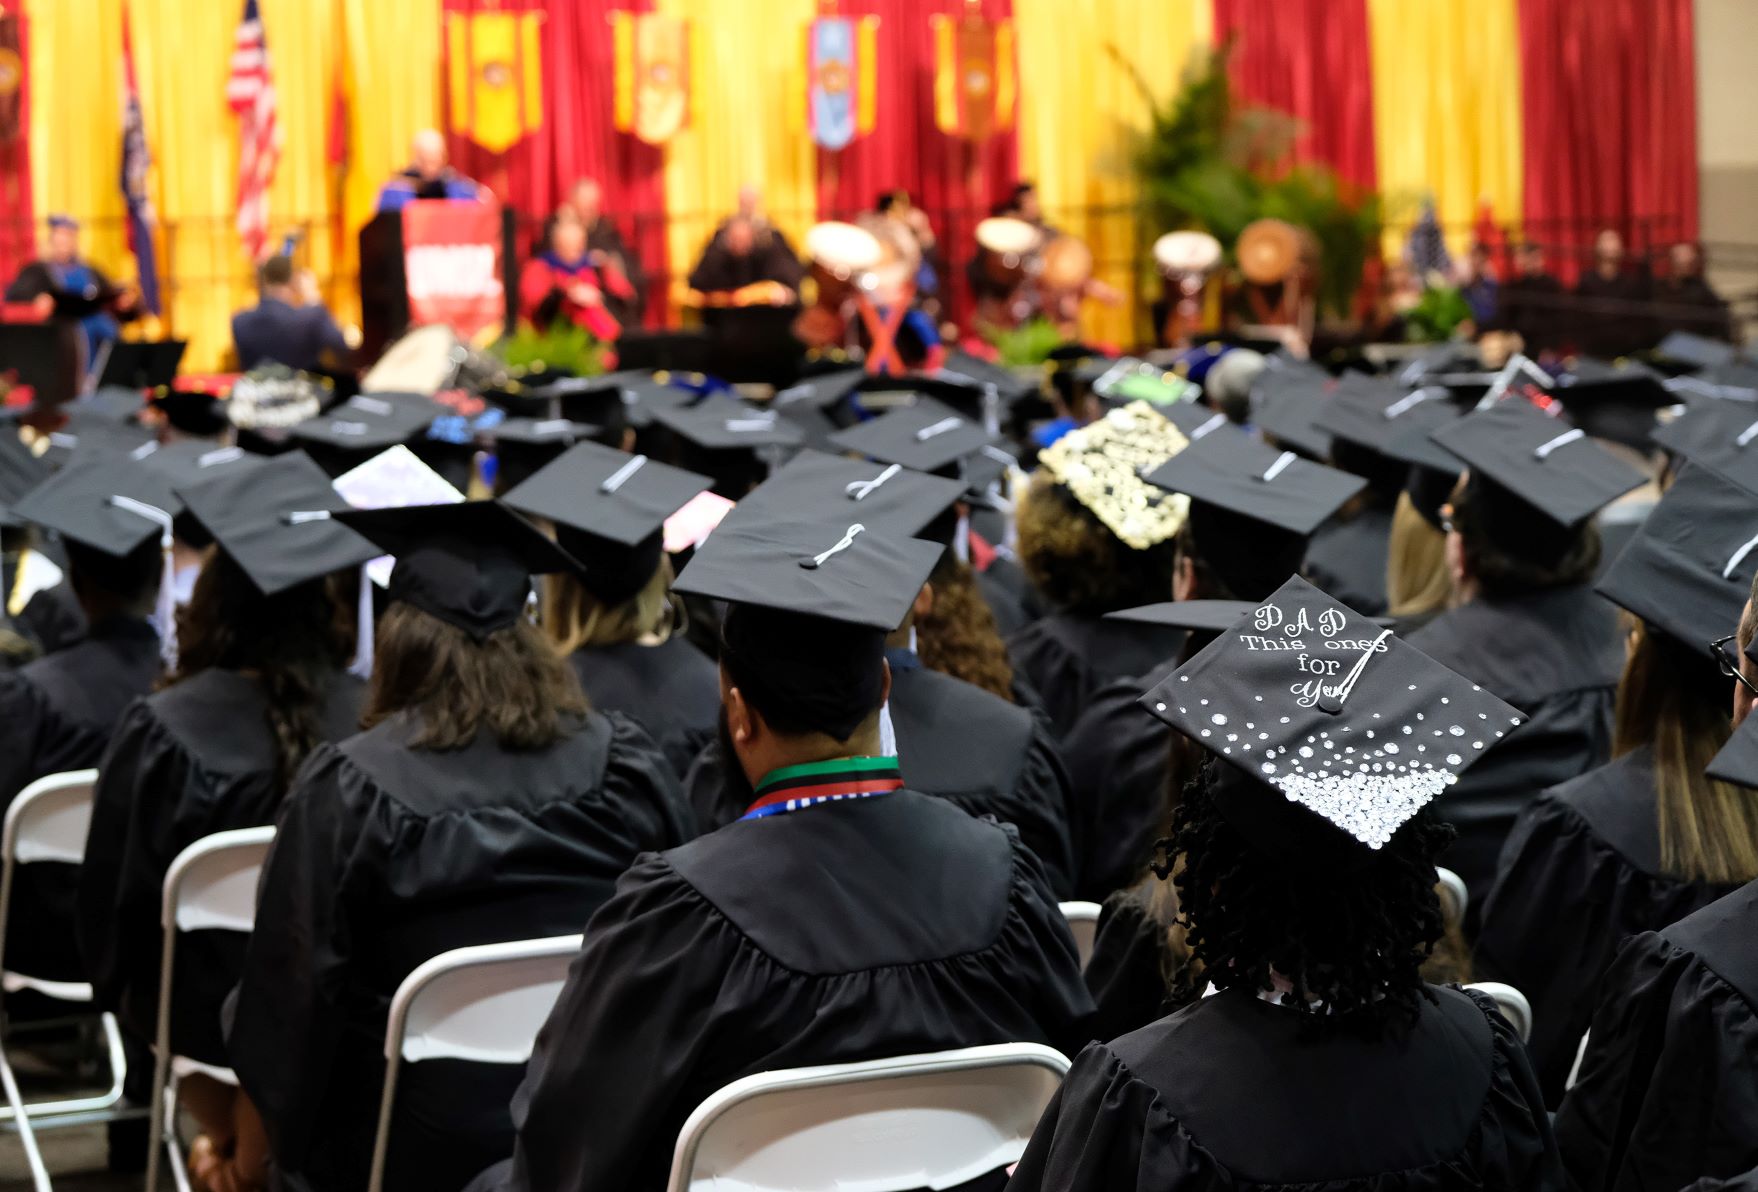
(1313, 59)
(17, 236)
(950, 179)
(1610, 124)
(576, 139)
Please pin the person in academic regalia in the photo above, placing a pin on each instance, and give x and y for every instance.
(483, 803)
(843, 917)
(1528, 626)
(1646, 839)
(1611, 316)
(615, 619)
(1668, 1090)
(259, 682)
(562, 283)
(1316, 1055)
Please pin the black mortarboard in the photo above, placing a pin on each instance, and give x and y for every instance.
(1717, 434)
(1325, 718)
(1201, 616)
(609, 510)
(1686, 350)
(1238, 473)
(834, 490)
(1286, 409)
(1688, 569)
(470, 564)
(255, 515)
(20, 471)
(927, 436)
(1555, 469)
(112, 504)
(1383, 416)
(1101, 465)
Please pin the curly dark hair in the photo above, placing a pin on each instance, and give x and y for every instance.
(1080, 566)
(1351, 936)
(293, 641)
(959, 636)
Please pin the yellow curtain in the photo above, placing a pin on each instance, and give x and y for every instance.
(1078, 117)
(747, 121)
(1446, 110)
(76, 123)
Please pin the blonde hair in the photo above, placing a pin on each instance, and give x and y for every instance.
(1417, 579)
(573, 618)
(1669, 700)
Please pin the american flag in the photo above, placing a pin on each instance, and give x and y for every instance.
(250, 92)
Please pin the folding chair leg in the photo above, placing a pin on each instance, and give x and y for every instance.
(15, 1105)
(47, 1111)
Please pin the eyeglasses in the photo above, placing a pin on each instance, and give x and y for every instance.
(1730, 666)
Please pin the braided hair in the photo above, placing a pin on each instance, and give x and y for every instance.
(1350, 937)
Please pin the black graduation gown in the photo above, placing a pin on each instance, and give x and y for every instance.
(672, 690)
(1229, 1092)
(1347, 558)
(186, 762)
(1668, 1090)
(1066, 657)
(1556, 656)
(387, 856)
(1580, 874)
(846, 931)
(963, 744)
(57, 714)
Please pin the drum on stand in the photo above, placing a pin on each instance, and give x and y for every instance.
(1186, 260)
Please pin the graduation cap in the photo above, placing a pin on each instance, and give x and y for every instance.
(20, 471)
(469, 564)
(1687, 351)
(928, 436)
(833, 489)
(609, 510)
(1556, 470)
(1688, 569)
(1240, 474)
(258, 517)
(1336, 733)
(1287, 411)
(1101, 466)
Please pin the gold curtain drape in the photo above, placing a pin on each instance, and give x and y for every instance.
(1446, 109)
(1078, 119)
(747, 121)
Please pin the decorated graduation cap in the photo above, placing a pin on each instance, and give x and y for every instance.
(260, 516)
(1330, 725)
(1101, 465)
(609, 510)
(928, 436)
(1544, 464)
(1238, 473)
(834, 489)
(811, 605)
(469, 564)
(1689, 567)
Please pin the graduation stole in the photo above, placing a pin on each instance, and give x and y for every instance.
(793, 787)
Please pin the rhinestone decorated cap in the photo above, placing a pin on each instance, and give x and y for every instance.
(1325, 706)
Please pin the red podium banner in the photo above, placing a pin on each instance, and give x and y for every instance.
(452, 265)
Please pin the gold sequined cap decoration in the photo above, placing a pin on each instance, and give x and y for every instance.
(1101, 464)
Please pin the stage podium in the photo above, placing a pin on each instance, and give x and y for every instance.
(437, 261)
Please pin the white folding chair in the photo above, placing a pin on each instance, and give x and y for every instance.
(211, 886)
(48, 821)
(1512, 1003)
(483, 1004)
(1452, 888)
(916, 1121)
(1083, 921)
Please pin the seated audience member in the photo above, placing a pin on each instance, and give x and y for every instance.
(607, 252)
(1320, 1057)
(429, 175)
(1684, 299)
(1532, 304)
(843, 917)
(282, 328)
(259, 682)
(561, 282)
(484, 802)
(1611, 314)
(615, 619)
(1646, 839)
(1527, 624)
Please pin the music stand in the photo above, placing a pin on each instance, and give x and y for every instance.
(142, 364)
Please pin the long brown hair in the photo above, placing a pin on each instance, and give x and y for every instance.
(294, 642)
(574, 619)
(511, 684)
(1417, 578)
(1672, 698)
(958, 637)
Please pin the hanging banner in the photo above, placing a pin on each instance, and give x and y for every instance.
(495, 76)
(452, 265)
(973, 76)
(841, 100)
(652, 75)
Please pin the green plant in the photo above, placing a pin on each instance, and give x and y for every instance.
(564, 346)
(1209, 163)
(1029, 343)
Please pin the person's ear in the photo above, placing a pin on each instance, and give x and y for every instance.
(924, 605)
